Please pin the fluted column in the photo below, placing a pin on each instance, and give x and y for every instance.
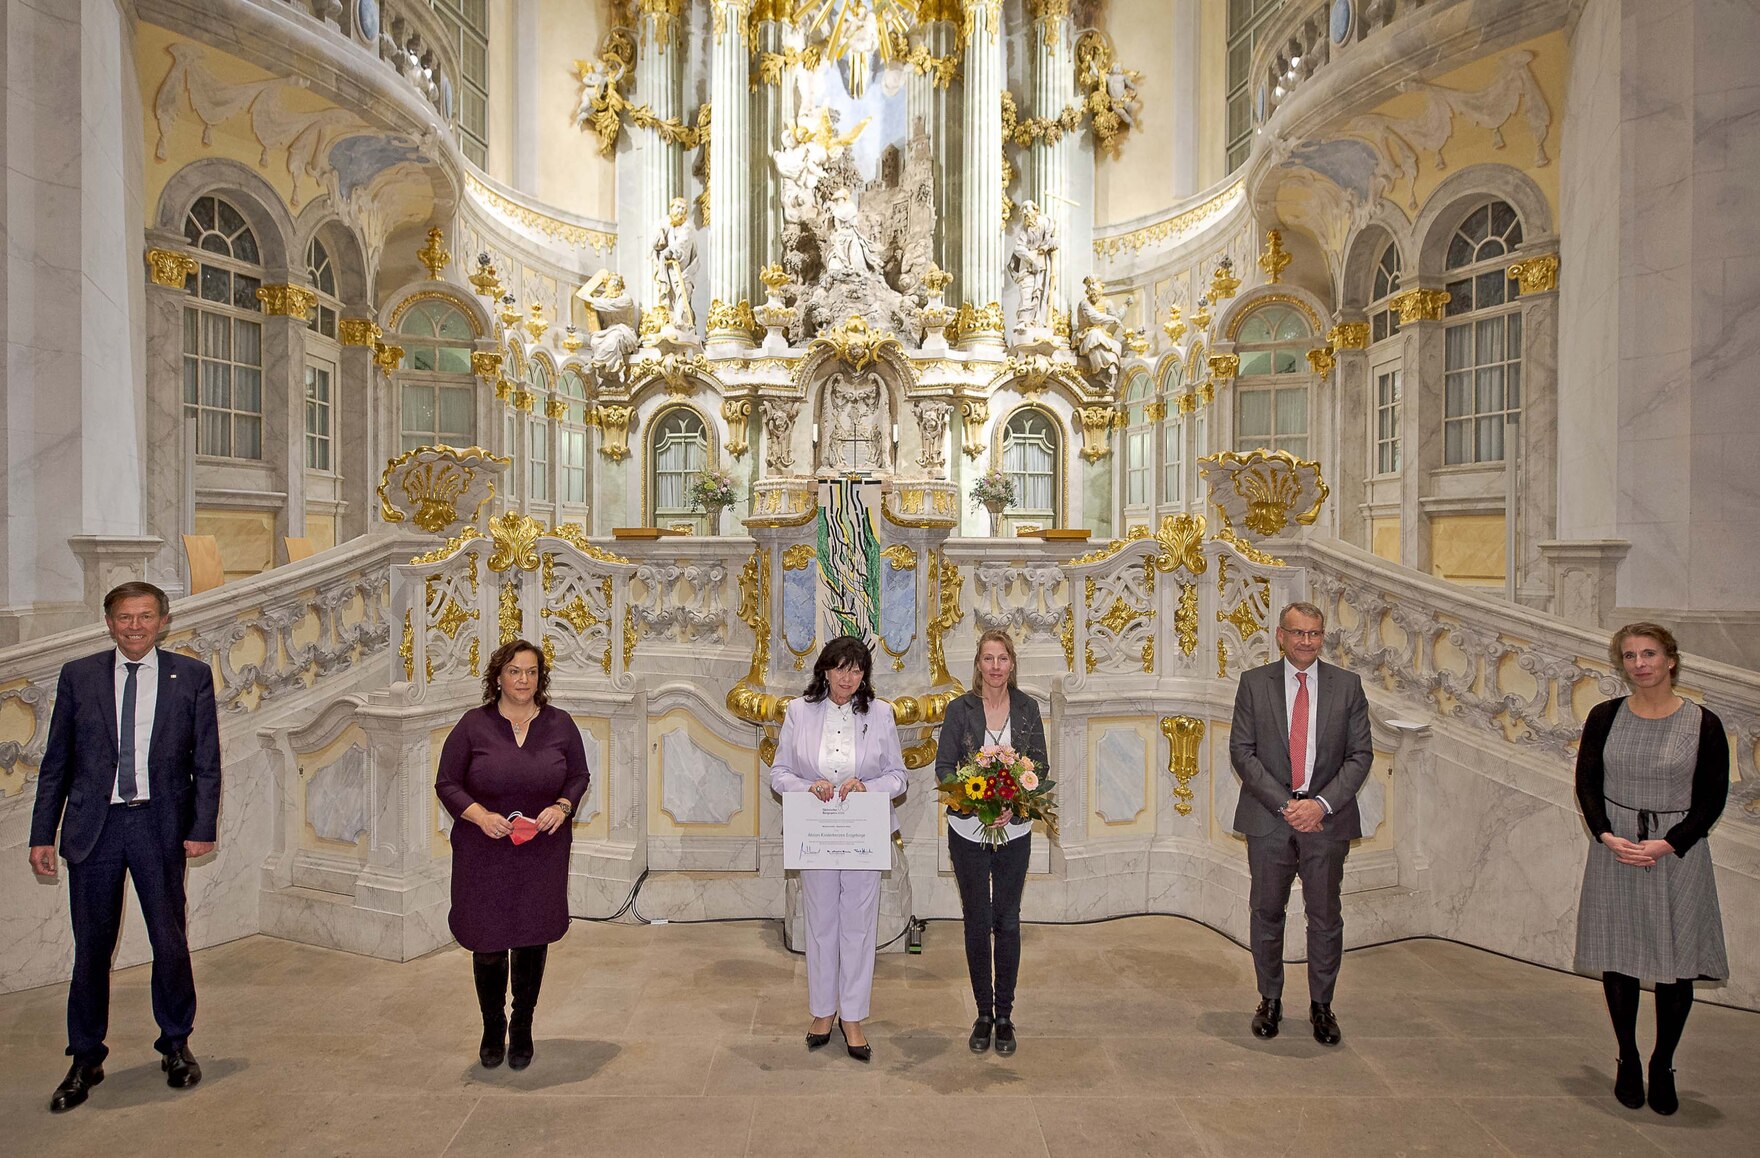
(658, 166)
(1049, 170)
(929, 109)
(770, 111)
(981, 241)
(730, 236)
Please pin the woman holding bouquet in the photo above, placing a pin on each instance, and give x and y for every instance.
(991, 866)
(832, 744)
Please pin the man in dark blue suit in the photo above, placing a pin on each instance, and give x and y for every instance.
(131, 776)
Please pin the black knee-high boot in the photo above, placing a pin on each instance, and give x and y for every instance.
(528, 978)
(1622, 1007)
(491, 974)
(1674, 1001)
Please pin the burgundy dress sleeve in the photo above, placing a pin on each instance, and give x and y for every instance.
(455, 764)
(574, 754)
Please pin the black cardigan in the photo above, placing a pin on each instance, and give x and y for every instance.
(962, 732)
(1710, 776)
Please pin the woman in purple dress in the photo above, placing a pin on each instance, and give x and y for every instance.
(515, 756)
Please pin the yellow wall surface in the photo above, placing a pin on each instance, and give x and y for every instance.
(571, 173)
(1467, 548)
(1212, 94)
(1137, 182)
(247, 539)
(1384, 538)
(321, 530)
(310, 764)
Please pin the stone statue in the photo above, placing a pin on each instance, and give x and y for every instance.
(1097, 330)
(800, 163)
(612, 338)
(849, 252)
(778, 434)
(675, 257)
(855, 426)
(932, 424)
(1123, 93)
(1030, 266)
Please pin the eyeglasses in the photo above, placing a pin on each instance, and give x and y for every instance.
(1292, 633)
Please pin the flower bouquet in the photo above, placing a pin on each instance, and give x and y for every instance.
(993, 490)
(998, 779)
(712, 489)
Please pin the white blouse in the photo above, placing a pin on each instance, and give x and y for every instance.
(837, 743)
(971, 827)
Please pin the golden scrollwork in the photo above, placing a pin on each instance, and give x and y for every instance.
(387, 357)
(1185, 618)
(1155, 411)
(1066, 635)
(486, 364)
(855, 343)
(1276, 258)
(436, 484)
(555, 407)
(1537, 275)
(1223, 367)
(509, 618)
(1322, 360)
(286, 301)
(434, 255)
(921, 754)
(1182, 544)
(515, 536)
(745, 700)
(928, 708)
(449, 547)
(1223, 283)
(1420, 305)
(1111, 113)
(576, 537)
(1348, 336)
(613, 423)
(734, 320)
(976, 321)
(1249, 552)
(900, 556)
(630, 635)
(168, 269)
(406, 650)
(577, 236)
(948, 582)
(1184, 734)
(358, 332)
(1272, 484)
(798, 557)
(1174, 229)
(523, 400)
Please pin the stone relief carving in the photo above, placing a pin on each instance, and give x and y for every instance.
(932, 415)
(855, 423)
(779, 416)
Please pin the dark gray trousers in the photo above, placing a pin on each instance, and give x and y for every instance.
(1274, 862)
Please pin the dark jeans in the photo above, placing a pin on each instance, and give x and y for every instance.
(990, 887)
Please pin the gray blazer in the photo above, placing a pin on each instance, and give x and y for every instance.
(1258, 747)
(962, 731)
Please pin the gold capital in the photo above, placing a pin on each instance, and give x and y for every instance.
(169, 269)
(286, 301)
(1420, 305)
(1537, 275)
(1348, 336)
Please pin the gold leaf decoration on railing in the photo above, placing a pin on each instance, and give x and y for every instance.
(515, 536)
(1184, 734)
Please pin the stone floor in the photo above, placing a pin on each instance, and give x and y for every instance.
(686, 1040)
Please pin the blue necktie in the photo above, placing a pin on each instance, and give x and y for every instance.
(125, 742)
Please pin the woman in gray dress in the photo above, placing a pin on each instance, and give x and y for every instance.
(1652, 776)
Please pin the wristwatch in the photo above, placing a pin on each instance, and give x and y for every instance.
(567, 808)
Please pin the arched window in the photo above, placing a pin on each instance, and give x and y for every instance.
(538, 431)
(1483, 341)
(678, 451)
(223, 332)
(1173, 433)
(437, 392)
(1383, 319)
(1030, 456)
(1139, 445)
(323, 275)
(572, 393)
(1271, 392)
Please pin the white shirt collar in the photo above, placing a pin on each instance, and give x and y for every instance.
(148, 662)
(1290, 671)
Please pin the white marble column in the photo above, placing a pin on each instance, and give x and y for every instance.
(72, 403)
(1049, 170)
(929, 109)
(656, 168)
(769, 111)
(527, 117)
(730, 156)
(981, 239)
(1182, 118)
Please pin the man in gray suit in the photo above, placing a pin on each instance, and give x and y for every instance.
(1301, 746)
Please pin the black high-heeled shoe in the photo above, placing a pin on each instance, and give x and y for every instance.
(1628, 1083)
(861, 1053)
(818, 1040)
(981, 1030)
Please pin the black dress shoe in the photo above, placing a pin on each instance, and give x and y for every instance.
(1325, 1025)
(818, 1040)
(74, 1087)
(981, 1030)
(1663, 1098)
(1004, 1036)
(1628, 1083)
(181, 1068)
(861, 1053)
(1266, 1017)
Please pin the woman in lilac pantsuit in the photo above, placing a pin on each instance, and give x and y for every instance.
(835, 741)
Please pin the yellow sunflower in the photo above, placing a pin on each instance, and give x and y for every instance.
(975, 788)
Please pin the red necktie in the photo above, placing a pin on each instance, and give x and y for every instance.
(1298, 734)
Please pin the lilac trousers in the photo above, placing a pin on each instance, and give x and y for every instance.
(842, 906)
